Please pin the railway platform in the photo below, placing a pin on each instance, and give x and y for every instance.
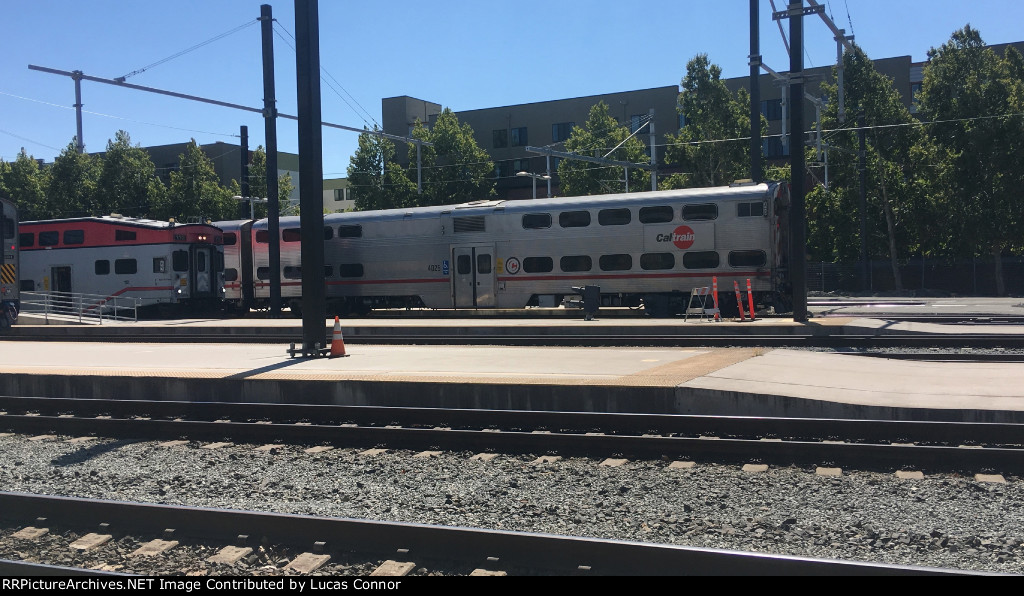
(682, 380)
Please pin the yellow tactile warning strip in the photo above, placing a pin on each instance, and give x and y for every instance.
(666, 375)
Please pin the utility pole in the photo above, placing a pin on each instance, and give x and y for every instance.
(862, 168)
(797, 223)
(76, 76)
(244, 149)
(270, 128)
(755, 94)
(311, 178)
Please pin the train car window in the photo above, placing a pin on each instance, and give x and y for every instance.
(8, 228)
(350, 231)
(218, 261)
(659, 214)
(179, 260)
(615, 262)
(614, 217)
(231, 275)
(74, 236)
(700, 260)
(483, 264)
(328, 271)
(124, 236)
(703, 211)
(291, 235)
(536, 221)
(27, 285)
(201, 262)
(263, 273)
(262, 237)
(26, 239)
(574, 219)
(464, 265)
(747, 258)
(292, 273)
(576, 263)
(103, 267)
(49, 238)
(328, 233)
(350, 270)
(654, 261)
(538, 264)
(160, 265)
(750, 209)
(126, 266)
(230, 239)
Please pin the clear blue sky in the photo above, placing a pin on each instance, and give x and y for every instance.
(459, 53)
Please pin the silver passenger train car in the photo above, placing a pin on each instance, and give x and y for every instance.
(9, 262)
(646, 249)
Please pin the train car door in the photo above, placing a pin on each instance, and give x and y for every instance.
(202, 271)
(473, 278)
(60, 284)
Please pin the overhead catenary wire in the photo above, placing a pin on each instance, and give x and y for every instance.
(187, 50)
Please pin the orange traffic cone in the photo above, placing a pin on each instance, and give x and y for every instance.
(337, 342)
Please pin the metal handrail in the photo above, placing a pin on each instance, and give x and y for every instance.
(87, 308)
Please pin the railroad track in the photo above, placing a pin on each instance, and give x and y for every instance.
(860, 444)
(459, 551)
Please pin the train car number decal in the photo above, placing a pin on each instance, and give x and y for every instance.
(512, 265)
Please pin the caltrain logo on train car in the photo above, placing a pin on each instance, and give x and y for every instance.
(682, 237)
(512, 265)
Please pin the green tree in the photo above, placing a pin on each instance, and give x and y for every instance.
(712, 116)
(74, 178)
(596, 138)
(127, 183)
(974, 99)
(25, 183)
(258, 185)
(904, 172)
(195, 191)
(375, 180)
(455, 168)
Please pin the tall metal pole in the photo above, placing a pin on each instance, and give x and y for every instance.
(798, 231)
(755, 93)
(862, 167)
(244, 175)
(270, 124)
(654, 152)
(311, 175)
(79, 142)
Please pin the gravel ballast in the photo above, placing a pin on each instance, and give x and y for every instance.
(946, 521)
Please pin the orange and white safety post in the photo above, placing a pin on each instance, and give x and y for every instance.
(714, 294)
(750, 300)
(739, 299)
(337, 342)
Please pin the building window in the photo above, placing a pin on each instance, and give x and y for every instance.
(561, 131)
(636, 121)
(519, 137)
(340, 194)
(772, 147)
(500, 138)
(502, 169)
(521, 165)
(772, 109)
(682, 120)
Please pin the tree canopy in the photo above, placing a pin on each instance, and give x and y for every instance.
(598, 136)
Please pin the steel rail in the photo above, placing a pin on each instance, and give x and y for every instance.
(554, 554)
(850, 430)
(781, 452)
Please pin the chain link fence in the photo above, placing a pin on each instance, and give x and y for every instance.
(961, 277)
